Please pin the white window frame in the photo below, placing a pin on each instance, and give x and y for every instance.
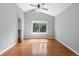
(39, 32)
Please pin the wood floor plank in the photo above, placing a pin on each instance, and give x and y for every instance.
(39, 47)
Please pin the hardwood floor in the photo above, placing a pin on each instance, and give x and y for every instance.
(39, 47)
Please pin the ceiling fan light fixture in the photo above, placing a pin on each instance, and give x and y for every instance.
(39, 7)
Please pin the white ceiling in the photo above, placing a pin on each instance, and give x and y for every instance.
(53, 8)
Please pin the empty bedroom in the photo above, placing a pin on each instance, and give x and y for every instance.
(39, 29)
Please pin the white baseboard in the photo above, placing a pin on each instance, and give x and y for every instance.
(7, 48)
(39, 37)
(67, 46)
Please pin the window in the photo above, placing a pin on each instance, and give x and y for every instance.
(39, 27)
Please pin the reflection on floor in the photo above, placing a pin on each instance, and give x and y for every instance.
(39, 47)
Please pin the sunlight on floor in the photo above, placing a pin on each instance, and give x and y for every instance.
(39, 46)
(38, 40)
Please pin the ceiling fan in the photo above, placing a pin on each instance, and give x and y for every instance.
(39, 6)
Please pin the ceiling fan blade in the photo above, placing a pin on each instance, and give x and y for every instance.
(44, 8)
(33, 5)
(43, 3)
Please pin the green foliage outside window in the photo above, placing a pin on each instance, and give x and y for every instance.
(39, 27)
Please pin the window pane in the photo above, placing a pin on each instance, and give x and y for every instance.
(43, 27)
(39, 27)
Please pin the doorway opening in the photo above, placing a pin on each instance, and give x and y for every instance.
(19, 30)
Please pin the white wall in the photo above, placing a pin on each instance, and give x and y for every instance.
(8, 25)
(67, 27)
(34, 16)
